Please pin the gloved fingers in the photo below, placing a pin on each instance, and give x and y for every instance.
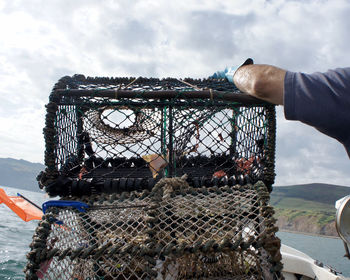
(229, 75)
(229, 72)
(248, 61)
(218, 75)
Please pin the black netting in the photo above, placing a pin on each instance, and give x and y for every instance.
(110, 135)
(172, 178)
(173, 232)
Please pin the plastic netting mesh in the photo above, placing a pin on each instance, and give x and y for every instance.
(126, 134)
(173, 232)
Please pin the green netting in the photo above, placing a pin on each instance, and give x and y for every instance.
(110, 135)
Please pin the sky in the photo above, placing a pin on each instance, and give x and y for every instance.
(41, 41)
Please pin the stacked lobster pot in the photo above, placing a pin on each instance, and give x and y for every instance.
(156, 179)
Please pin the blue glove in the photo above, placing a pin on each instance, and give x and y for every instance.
(228, 73)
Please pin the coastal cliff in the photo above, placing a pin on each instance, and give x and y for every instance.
(308, 223)
(307, 208)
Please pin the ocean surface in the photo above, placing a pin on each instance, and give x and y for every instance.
(16, 235)
(329, 251)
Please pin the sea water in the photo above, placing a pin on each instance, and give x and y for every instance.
(329, 251)
(16, 235)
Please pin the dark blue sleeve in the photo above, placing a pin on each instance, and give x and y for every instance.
(321, 100)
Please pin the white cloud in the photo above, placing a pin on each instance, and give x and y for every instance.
(21, 135)
(306, 156)
(45, 40)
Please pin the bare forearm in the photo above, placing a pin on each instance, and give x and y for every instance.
(262, 81)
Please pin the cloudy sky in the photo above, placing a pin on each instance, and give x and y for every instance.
(42, 41)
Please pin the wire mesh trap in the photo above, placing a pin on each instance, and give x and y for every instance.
(174, 177)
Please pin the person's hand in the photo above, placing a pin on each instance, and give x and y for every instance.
(228, 73)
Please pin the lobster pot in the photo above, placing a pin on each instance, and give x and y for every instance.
(157, 179)
(174, 231)
(112, 135)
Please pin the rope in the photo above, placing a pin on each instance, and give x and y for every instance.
(187, 83)
(120, 86)
(132, 82)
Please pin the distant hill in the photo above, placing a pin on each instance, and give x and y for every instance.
(307, 208)
(317, 192)
(19, 173)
